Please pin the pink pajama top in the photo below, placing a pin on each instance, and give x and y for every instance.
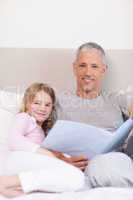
(26, 134)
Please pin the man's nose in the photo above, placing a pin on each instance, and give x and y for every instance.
(88, 70)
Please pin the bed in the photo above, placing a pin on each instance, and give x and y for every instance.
(54, 66)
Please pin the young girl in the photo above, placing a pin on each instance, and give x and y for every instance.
(36, 117)
(36, 168)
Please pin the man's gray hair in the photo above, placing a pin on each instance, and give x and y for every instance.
(92, 45)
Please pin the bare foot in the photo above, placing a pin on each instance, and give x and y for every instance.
(8, 187)
(11, 192)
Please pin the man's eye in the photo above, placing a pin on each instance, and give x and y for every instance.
(82, 65)
(94, 66)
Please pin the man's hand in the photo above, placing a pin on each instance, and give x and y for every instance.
(78, 161)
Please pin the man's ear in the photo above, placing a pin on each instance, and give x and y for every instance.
(104, 69)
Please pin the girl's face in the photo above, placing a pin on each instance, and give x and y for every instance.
(41, 107)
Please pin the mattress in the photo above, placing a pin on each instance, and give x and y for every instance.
(92, 194)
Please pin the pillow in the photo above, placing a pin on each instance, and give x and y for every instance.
(10, 100)
(6, 119)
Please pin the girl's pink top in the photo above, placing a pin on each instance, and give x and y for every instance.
(26, 134)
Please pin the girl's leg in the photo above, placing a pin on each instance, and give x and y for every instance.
(10, 186)
(39, 172)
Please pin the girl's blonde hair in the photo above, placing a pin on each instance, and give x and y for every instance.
(29, 96)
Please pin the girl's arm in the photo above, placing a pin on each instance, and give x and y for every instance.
(45, 152)
(17, 140)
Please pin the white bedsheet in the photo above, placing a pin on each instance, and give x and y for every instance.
(93, 194)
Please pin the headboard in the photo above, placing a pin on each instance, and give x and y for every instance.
(22, 66)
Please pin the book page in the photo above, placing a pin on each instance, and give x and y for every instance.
(76, 138)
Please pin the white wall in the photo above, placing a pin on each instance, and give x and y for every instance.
(66, 23)
(54, 66)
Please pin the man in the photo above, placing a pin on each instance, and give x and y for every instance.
(89, 104)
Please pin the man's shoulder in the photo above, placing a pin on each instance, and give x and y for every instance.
(66, 93)
(119, 99)
(68, 96)
(65, 96)
(114, 95)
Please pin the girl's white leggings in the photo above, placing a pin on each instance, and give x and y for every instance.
(38, 172)
(43, 173)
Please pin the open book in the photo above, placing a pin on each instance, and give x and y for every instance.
(75, 138)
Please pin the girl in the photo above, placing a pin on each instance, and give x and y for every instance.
(36, 117)
(36, 168)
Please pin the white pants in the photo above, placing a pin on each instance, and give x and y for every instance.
(112, 169)
(39, 172)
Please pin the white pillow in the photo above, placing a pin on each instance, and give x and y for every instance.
(10, 101)
(6, 119)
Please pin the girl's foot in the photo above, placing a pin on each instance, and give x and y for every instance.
(11, 192)
(9, 186)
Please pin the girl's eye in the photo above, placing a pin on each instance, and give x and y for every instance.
(48, 105)
(37, 103)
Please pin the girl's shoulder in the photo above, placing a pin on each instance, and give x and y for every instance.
(25, 119)
(24, 116)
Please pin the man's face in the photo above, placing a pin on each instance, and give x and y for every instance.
(89, 70)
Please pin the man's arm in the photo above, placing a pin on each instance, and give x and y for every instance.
(130, 108)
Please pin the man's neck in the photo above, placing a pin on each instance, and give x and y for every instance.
(88, 95)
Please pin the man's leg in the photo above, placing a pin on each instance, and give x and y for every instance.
(129, 147)
(111, 169)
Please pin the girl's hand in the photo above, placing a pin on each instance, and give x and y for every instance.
(45, 152)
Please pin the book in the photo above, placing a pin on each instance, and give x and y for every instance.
(75, 138)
